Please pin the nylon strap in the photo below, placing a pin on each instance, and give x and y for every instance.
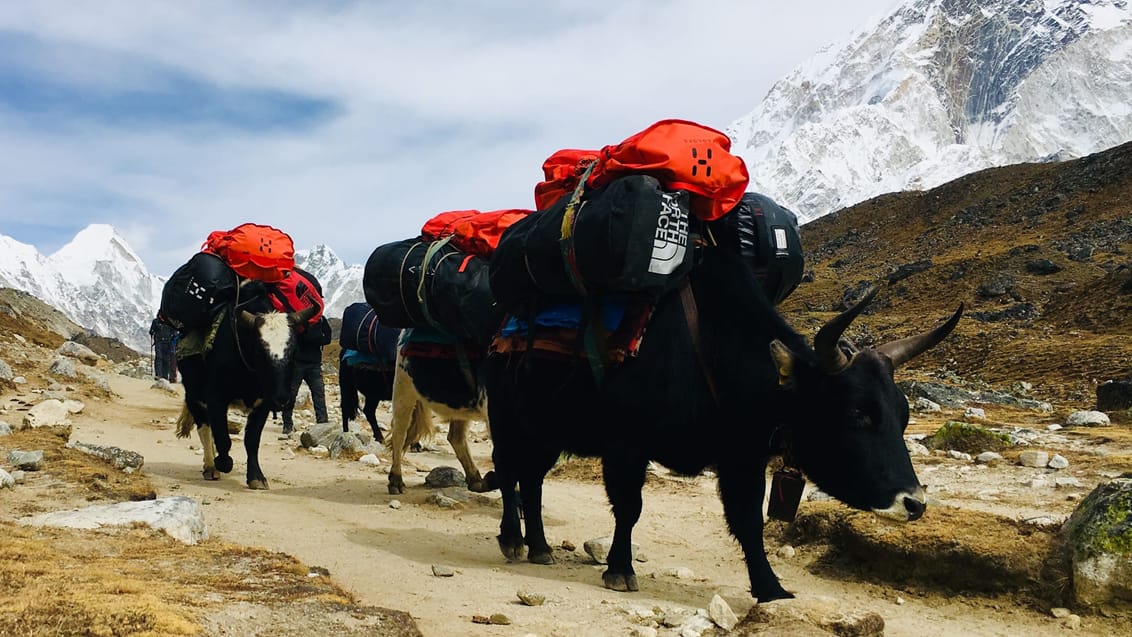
(566, 235)
(692, 317)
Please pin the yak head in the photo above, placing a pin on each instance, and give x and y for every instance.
(270, 352)
(849, 416)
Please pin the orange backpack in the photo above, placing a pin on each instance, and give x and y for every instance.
(472, 231)
(682, 155)
(254, 251)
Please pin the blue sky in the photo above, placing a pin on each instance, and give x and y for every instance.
(351, 123)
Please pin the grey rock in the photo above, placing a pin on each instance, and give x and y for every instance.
(26, 460)
(1087, 419)
(695, 626)
(1100, 537)
(959, 455)
(439, 570)
(19, 476)
(531, 598)
(988, 457)
(975, 413)
(5, 429)
(598, 548)
(1066, 482)
(443, 501)
(48, 413)
(79, 351)
(122, 459)
(955, 397)
(719, 611)
(916, 449)
(1058, 462)
(924, 405)
(394, 504)
(63, 367)
(6, 372)
(441, 477)
(6, 479)
(180, 517)
(1033, 458)
(1060, 613)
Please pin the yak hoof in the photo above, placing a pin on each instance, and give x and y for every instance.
(258, 484)
(396, 484)
(513, 551)
(210, 474)
(770, 596)
(224, 464)
(541, 557)
(486, 484)
(619, 582)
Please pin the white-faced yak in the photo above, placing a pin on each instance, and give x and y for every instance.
(720, 380)
(246, 357)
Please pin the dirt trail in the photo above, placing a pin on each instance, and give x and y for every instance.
(336, 514)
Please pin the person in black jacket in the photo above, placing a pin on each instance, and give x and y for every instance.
(163, 338)
(308, 366)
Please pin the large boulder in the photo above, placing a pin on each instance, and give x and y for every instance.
(1099, 534)
(966, 437)
(181, 517)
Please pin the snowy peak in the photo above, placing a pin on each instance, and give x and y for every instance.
(938, 89)
(341, 284)
(79, 260)
(96, 280)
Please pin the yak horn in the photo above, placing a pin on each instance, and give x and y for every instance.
(247, 318)
(905, 349)
(303, 315)
(830, 357)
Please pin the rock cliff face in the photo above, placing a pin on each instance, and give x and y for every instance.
(938, 89)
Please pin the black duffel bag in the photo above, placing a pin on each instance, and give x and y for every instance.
(362, 332)
(455, 296)
(631, 236)
(390, 280)
(196, 290)
(766, 235)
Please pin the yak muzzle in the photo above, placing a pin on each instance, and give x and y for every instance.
(907, 506)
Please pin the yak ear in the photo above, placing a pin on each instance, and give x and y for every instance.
(784, 361)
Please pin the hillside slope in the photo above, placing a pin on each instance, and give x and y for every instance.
(1039, 253)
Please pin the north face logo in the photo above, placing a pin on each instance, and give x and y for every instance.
(670, 242)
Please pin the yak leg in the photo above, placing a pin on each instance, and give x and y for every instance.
(624, 478)
(530, 490)
(403, 413)
(458, 438)
(742, 489)
(204, 432)
(222, 440)
(370, 411)
(257, 418)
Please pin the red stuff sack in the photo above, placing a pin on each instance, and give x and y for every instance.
(681, 155)
(472, 231)
(562, 170)
(254, 251)
(295, 292)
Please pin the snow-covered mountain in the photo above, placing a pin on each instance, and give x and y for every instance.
(938, 89)
(341, 284)
(97, 280)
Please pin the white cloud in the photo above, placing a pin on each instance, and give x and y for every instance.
(439, 105)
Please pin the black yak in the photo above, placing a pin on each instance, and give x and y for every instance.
(722, 381)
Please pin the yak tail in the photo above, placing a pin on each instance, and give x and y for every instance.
(347, 390)
(185, 422)
(421, 427)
